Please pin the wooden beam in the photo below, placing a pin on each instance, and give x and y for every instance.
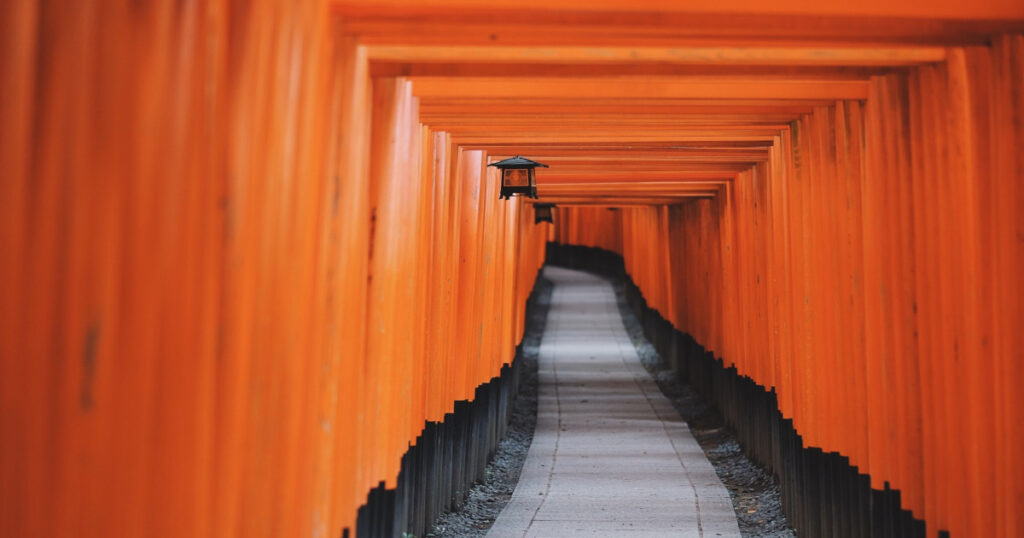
(634, 177)
(621, 200)
(630, 187)
(485, 106)
(557, 70)
(523, 139)
(624, 122)
(568, 154)
(626, 145)
(615, 118)
(892, 55)
(610, 23)
(740, 11)
(682, 87)
(605, 168)
(635, 132)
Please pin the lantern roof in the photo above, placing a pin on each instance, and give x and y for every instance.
(518, 162)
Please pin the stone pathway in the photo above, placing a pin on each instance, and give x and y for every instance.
(610, 456)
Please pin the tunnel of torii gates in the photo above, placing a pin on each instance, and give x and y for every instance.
(251, 250)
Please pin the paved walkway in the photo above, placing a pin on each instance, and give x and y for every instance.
(610, 456)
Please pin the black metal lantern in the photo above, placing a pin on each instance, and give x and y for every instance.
(543, 213)
(518, 177)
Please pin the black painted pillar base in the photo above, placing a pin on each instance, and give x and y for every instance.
(447, 459)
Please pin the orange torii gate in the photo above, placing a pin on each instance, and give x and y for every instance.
(251, 250)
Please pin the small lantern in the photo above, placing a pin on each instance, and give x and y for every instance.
(517, 176)
(543, 213)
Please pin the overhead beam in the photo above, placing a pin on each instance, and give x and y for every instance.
(557, 70)
(567, 154)
(622, 204)
(598, 124)
(634, 177)
(639, 163)
(676, 24)
(627, 195)
(485, 106)
(481, 141)
(682, 87)
(623, 200)
(618, 118)
(639, 136)
(607, 168)
(632, 187)
(627, 145)
(891, 55)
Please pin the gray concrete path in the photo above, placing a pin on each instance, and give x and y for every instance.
(610, 456)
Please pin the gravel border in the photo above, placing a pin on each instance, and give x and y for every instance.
(755, 494)
(487, 499)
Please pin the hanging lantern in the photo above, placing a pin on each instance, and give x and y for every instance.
(518, 177)
(543, 213)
